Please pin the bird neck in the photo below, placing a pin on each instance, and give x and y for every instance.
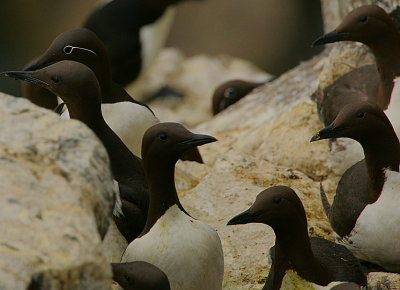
(103, 75)
(124, 164)
(381, 152)
(294, 244)
(387, 56)
(160, 177)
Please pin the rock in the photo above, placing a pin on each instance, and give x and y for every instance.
(383, 281)
(334, 11)
(196, 77)
(56, 199)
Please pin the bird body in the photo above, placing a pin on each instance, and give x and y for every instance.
(365, 212)
(187, 250)
(318, 262)
(376, 234)
(372, 26)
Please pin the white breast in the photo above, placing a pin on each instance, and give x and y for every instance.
(154, 36)
(376, 235)
(187, 250)
(129, 121)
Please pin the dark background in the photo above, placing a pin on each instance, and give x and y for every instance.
(275, 35)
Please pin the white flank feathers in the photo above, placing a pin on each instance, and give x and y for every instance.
(187, 250)
(376, 235)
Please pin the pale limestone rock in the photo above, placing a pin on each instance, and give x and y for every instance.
(196, 77)
(56, 197)
(343, 57)
(383, 281)
(335, 10)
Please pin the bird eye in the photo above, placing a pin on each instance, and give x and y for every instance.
(277, 199)
(229, 93)
(163, 137)
(363, 18)
(55, 79)
(361, 115)
(68, 49)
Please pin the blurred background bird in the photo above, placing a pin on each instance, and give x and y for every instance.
(275, 37)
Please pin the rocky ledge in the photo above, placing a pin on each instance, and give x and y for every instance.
(56, 200)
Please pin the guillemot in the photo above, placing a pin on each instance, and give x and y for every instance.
(372, 26)
(128, 118)
(139, 276)
(78, 87)
(133, 32)
(230, 92)
(186, 249)
(315, 260)
(364, 213)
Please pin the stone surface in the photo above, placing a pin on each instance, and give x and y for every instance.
(263, 140)
(333, 11)
(196, 77)
(56, 197)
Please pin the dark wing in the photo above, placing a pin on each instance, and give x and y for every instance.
(338, 260)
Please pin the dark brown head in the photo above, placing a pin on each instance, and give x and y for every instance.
(73, 82)
(359, 121)
(164, 143)
(277, 206)
(80, 45)
(139, 276)
(366, 24)
(230, 92)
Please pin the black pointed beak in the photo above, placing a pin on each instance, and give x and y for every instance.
(198, 140)
(328, 132)
(329, 37)
(25, 76)
(242, 218)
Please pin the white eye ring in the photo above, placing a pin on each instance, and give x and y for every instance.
(68, 49)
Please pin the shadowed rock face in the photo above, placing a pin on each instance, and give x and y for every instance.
(56, 199)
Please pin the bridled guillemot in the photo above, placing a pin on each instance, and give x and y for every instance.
(128, 118)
